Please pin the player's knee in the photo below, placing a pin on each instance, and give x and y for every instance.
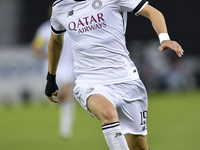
(139, 148)
(137, 142)
(109, 115)
(143, 147)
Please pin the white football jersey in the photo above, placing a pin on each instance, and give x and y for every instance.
(96, 29)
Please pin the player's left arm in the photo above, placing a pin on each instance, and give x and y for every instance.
(158, 22)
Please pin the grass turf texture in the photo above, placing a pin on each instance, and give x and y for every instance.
(173, 123)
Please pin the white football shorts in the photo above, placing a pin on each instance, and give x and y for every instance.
(129, 98)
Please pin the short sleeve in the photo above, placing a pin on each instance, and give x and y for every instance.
(132, 5)
(56, 27)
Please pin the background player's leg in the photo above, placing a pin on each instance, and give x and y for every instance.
(66, 109)
(104, 110)
(137, 142)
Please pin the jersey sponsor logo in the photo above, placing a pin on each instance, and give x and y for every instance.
(97, 4)
(87, 23)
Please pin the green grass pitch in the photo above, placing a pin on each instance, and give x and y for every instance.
(173, 124)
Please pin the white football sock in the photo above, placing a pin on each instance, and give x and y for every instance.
(114, 137)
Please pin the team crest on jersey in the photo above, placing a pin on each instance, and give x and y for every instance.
(70, 13)
(90, 90)
(97, 4)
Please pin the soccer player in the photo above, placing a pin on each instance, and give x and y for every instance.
(65, 75)
(107, 82)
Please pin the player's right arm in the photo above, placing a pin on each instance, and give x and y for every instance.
(54, 51)
(159, 25)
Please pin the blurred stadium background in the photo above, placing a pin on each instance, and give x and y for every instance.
(173, 83)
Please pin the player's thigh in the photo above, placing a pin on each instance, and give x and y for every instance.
(102, 108)
(137, 142)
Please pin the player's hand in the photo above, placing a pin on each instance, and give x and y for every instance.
(51, 89)
(173, 45)
(53, 97)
